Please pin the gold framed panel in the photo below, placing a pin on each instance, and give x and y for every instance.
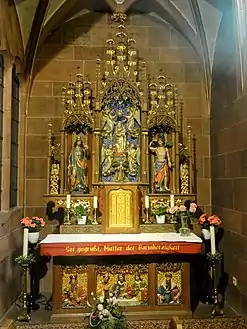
(122, 212)
(127, 284)
(74, 286)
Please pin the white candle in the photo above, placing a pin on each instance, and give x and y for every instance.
(172, 201)
(68, 198)
(95, 202)
(146, 201)
(25, 242)
(212, 234)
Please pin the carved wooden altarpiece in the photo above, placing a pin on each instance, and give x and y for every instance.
(130, 132)
(120, 143)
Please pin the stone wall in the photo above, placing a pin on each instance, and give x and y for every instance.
(229, 160)
(10, 247)
(10, 230)
(77, 44)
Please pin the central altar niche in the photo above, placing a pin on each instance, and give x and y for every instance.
(120, 134)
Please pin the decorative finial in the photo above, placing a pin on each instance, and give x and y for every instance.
(119, 17)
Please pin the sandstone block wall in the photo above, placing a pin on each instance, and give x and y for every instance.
(229, 160)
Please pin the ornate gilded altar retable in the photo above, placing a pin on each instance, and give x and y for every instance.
(121, 143)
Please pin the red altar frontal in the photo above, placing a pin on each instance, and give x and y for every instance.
(151, 279)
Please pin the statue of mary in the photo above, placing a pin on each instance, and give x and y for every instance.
(78, 167)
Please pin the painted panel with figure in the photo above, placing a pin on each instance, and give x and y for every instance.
(169, 283)
(128, 284)
(74, 286)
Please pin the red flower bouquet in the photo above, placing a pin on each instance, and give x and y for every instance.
(206, 221)
(34, 224)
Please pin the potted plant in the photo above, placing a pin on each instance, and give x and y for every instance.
(160, 213)
(105, 313)
(81, 211)
(34, 226)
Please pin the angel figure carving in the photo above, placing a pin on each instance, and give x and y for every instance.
(107, 123)
(132, 118)
(107, 157)
(133, 159)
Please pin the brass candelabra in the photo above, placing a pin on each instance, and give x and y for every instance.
(95, 222)
(24, 315)
(217, 297)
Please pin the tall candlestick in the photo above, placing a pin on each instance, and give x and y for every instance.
(172, 201)
(25, 242)
(146, 201)
(95, 202)
(212, 234)
(68, 199)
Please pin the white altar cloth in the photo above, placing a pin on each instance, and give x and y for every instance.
(106, 238)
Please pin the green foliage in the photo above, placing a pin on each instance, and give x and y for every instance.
(81, 210)
(25, 261)
(213, 258)
(159, 211)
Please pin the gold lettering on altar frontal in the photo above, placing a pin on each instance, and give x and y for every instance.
(130, 248)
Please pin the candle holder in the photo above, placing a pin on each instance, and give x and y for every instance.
(24, 262)
(217, 297)
(95, 222)
(147, 221)
(67, 217)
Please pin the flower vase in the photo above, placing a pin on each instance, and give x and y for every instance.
(160, 219)
(82, 220)
(206, 234)
(184, 231)
(33, 237)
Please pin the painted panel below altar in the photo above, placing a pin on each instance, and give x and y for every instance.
(159, 289)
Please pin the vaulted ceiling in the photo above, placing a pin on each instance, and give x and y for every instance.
(197, 20)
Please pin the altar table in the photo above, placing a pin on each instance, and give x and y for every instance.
(148, 272)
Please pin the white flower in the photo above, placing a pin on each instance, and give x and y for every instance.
(100, 307)
(101, 299)
(105, 312)
(110, 300)
(101, 316)
(92, 294)
(111, 294)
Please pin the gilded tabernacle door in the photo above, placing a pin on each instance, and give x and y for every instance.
(122, 211)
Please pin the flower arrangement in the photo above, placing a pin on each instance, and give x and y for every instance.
(182, 215)
(206, 221)
(106, 313)
(34, 224)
